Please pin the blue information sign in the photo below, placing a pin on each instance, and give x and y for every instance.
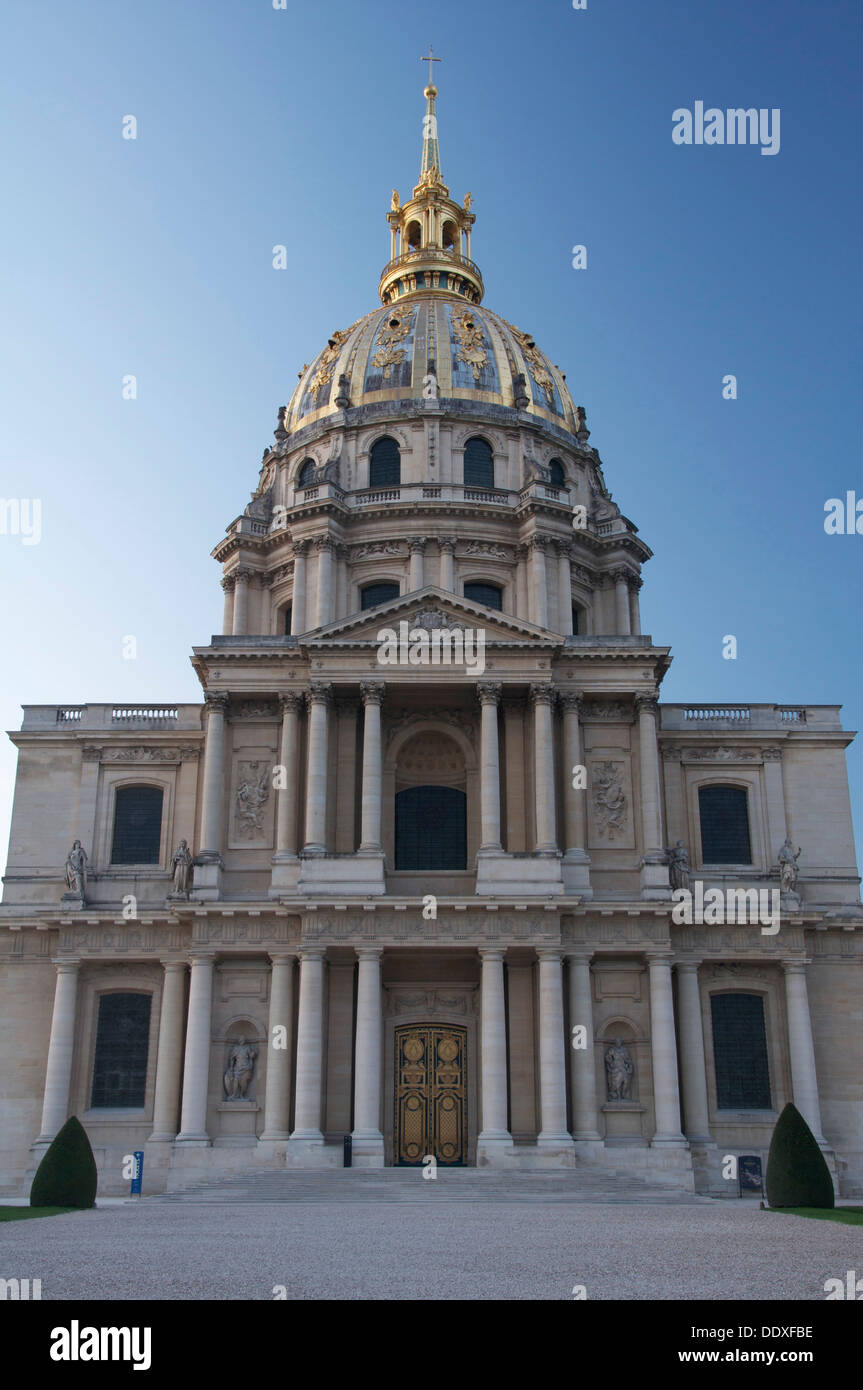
(139, 1172)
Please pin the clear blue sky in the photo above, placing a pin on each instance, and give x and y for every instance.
(259, 126)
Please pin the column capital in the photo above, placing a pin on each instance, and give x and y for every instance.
(489, 692)
(447, 544)
(621, 575)
(549, 952)
(301, 548)
(542, 543)
(173, 965)
(795, 967)
(571, 700)
(417, 543)
(373, 692)
(312, 953)
(582, 953)
(290, 701)
(491, 952)
(542, 694)
(663, 958)
(243, 573)
(202, 957)
(368, 952)
(646, 702)
(320, 693)
(772, 755)
(282, 957)
(563, 546)
(687, 967)
(228, 582)
(66, 966)
(216, 701)
(323, 543)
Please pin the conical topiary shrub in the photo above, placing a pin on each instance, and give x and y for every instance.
(797, 1175)
(66, 1177)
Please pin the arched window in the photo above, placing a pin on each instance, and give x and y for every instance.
(740, 1052)
(431, 828)
(287, 619)
(556, 475)
(724, 825)
(373, 594)
(489, 594)
(122, 1039)
(385, 468)
(137, 834)
(478, 463)
(307, 473)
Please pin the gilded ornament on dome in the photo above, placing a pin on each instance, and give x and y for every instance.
(389, 354)
(469, 336)
(538, 370)
(327, 364)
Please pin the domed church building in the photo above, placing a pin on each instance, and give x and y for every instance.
(430, 865)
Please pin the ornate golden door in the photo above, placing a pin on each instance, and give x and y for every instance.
(431, 1092)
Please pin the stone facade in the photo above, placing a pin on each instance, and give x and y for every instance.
(302, 979)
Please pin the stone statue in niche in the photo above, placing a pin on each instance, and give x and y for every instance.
(677, 860)
(181, 867)
(76, 871)
(609, 800)
(250, 799)
(241, 1066)
(619, 1071)
(788, 870)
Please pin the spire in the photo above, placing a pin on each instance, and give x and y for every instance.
(431, 152)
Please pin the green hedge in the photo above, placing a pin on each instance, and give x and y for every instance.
(797, 1175)
(66, 1177)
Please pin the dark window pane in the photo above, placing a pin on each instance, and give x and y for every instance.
(385, 469)
(288, 612)
(374, 594)
(724, 826)
(740, 1052)
(137, 826)
(307, 473)
(478, 463)
(575, 622)
(431, 828)
(489, 594)
(120, 1065)
(557, 477)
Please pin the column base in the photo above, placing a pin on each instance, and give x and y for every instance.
(575, 867)
(669, 1141)
(367, 1149)
(348, 874)
(589, 1149)
(555, 1150)
(161, 1137)
(207, 879)
(308, 1150)
(194, 1141)
(285, 876)
(529, 875)
(494, 1150)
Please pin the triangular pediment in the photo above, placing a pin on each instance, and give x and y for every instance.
(431, 608)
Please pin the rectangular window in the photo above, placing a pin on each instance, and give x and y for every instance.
(122, 1039)
(137, 825)
(740, 1052)
(724, 825)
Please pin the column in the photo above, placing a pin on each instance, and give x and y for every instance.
(542, 699)
(279, 1044)
(577, 877)
(522, 604)
(169, 1058)
(370, 837)
(447, 564)
(228, 611)
(212, 792)
(804, 1079)
(58, 1073)
(654, 871)
(552, 1058)
(495, 1130)
(242, 575)
(298, 599)
(537, 581)
(621, 602)
(693, 1066)
(774, 797)
(341, 582)
(320, 698)
(582, 1059)
(564, 588)
(416, 546)
(368, 1143)
(310, 1043)
(634, 605)
(324, 547)
(196, 1070)
(265, 621)
(286, 799)
(663, 1047)
(489, 693)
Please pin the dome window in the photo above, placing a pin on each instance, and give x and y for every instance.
(307, 473)
(373, 594)
(478, 463)
(556, 475)
(488, 594)
(385, 463)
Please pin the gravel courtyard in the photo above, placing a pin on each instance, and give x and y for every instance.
(359, 1240)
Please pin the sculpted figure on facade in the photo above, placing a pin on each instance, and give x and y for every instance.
(241, 1066)
(181, 867)
(619, 1071)
(251, 799)
(677, 859)
(76, 871)
(609, 799)
(788, 870)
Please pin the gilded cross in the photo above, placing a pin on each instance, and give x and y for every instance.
(430, 58)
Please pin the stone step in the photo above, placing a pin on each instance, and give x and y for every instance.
(407, 1185)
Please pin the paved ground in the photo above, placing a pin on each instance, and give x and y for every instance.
(394, 1235)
